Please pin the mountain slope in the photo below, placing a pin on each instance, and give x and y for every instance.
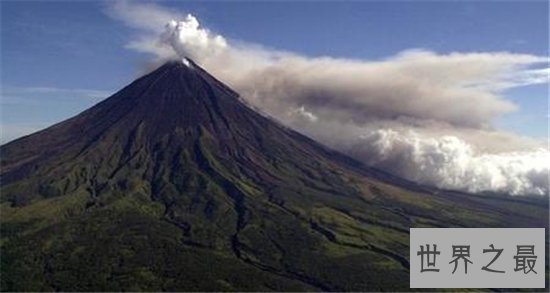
(174, 184)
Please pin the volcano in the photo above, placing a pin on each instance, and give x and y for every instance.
(175, 184)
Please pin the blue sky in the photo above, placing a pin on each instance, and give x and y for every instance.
(59, 58)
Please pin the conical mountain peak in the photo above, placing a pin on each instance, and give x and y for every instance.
(175, 177)
(187, 62)
(184, 64)
(184, 78)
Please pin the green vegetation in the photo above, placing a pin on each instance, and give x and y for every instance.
(204, 225)
(174, 185)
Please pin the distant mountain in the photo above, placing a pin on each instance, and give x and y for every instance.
(175, 184)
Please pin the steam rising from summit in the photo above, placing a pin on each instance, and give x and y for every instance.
(189, 40)
(425, 116)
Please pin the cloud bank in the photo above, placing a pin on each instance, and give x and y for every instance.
(422, 115)
(449, 162)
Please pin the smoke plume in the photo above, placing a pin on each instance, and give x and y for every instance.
(422, 115)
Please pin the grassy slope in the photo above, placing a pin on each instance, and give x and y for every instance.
(173, 184)
(204, 225)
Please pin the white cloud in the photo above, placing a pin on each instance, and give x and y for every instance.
(450, 162)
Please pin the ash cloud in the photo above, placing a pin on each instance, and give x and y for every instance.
(422, 115)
